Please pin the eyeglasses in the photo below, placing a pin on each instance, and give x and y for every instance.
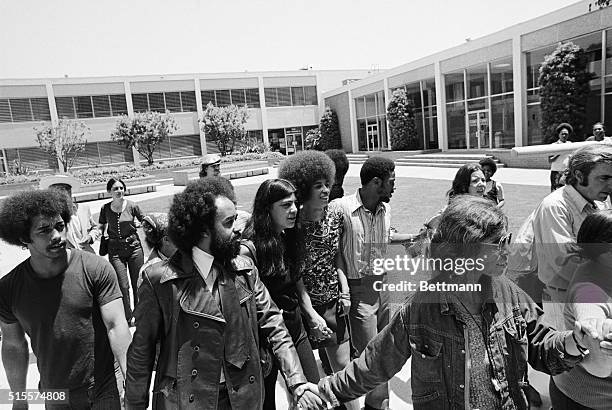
(503, 242)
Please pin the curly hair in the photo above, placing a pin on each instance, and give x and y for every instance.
(19, 210)
(463, 178)
(342, 165)
(376, 167)
(304, 169)
(276, 253)
(193, 211)
(488, 162)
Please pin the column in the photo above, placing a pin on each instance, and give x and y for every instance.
(263, 110)
(130, 108)
(54, 116)
(520, 92)
(353, 122)
(200, 109)
(441, 107)
(387, 99)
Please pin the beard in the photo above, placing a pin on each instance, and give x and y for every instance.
(225, 249)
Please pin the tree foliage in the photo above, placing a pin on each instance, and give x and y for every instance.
(330, 131)
(564, 88)
(402, 124)
(224, 126)
(602, 3)
(64, 141)
(145, 131)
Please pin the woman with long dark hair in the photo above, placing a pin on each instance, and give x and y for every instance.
(119, 219)
(272, 243)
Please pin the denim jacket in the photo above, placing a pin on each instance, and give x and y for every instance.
(428, 329)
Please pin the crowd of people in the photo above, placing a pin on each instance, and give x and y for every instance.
(227, 300)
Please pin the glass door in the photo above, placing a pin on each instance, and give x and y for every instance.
(373, 136)
(478, 133)
(294, 143)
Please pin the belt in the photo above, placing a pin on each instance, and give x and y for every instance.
(128, 239)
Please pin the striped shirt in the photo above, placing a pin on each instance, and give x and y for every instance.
(365, 236)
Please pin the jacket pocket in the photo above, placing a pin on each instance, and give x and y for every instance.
(426, 359)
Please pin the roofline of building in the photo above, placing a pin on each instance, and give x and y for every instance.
(555, 17)
(171, 77)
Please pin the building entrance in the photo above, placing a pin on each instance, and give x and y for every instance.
(478, 130)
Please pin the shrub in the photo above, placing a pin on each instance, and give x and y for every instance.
(402, 124)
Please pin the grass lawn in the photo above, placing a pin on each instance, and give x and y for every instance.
(415, 200)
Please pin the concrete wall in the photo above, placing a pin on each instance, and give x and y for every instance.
(340, 104)
(281, 117)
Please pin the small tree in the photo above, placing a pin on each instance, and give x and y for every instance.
(313, 139)
(64, 141)
(402, 124)
(224, 125)
(330, 131)
(564, 89)
(145, 131)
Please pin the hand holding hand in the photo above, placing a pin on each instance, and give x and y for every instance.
(307, 397)
(319, 329)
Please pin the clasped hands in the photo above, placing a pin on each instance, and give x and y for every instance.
(308, 397)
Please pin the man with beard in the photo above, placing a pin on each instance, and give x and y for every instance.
(206, 306)
(366, 233)
(67, 301)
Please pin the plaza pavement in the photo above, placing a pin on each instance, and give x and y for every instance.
(400, 391)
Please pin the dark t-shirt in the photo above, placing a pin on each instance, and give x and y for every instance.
(61, 315)
(120, 224)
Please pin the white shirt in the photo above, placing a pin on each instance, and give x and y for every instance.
(203, 262)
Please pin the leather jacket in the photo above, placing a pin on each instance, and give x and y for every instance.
(176, 311)
(428, 329)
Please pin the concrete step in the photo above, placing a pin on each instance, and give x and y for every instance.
(431, 164)
(438, 160)
(470, 157)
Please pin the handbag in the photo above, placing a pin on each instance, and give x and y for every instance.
(103, 245)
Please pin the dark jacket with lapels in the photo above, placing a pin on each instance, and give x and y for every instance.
(201, 334)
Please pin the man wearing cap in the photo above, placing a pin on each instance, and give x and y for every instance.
(82, 231)
(211, 166)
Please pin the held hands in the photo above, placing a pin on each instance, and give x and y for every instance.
(595, 333)
(307, 397)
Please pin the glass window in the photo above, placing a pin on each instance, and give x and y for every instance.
(238, 97)
(362, 135)
(173, 101)
(413, 92)
(593, 108)
(534, 60)
(101, 106)
(534, 129)
(40, 109)
(360, 107)
(156, 102)
(382, 129)
(429, 92)
(188, 100)
(502, 117)
(65, 107)
(455, 114)
(284, 97)
(454, 86)
(477, 81)
(418, 120)
(140, 102)
(271, 98)
(5, 111)
(501, 76)
(118, 104)
(83, 106)
(297, 96)
(223, 98)
(608, 108)
(252, 97)
(431, 132)
(21, 109)
(208, 96)
(310, 95)
(608, 51)
(380, 103)
(479, 104)
(591, 44)
(370, 102)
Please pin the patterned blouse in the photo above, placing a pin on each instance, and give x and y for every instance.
(322, 240)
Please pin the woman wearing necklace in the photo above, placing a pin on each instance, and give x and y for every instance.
(324, 296)
(470, 344)
(119, 218)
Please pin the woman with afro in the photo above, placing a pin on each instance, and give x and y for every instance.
(324, 295)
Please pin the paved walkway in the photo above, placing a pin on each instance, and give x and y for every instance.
(10, 256)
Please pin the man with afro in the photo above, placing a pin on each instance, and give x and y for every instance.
(68, 302)
(206, 307)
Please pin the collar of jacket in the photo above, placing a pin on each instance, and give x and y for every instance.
(180, 265)
(447, 306)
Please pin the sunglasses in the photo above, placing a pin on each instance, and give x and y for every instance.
(503, 242)
(117, 188)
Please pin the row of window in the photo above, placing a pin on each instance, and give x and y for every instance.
(91, 106)
(175, 101)
(291, 96)
(237, 96)
(24, 109)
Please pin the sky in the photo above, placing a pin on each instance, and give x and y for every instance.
(80, 38)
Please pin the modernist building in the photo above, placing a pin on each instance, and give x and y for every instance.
(483, 94)
(282, 107)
